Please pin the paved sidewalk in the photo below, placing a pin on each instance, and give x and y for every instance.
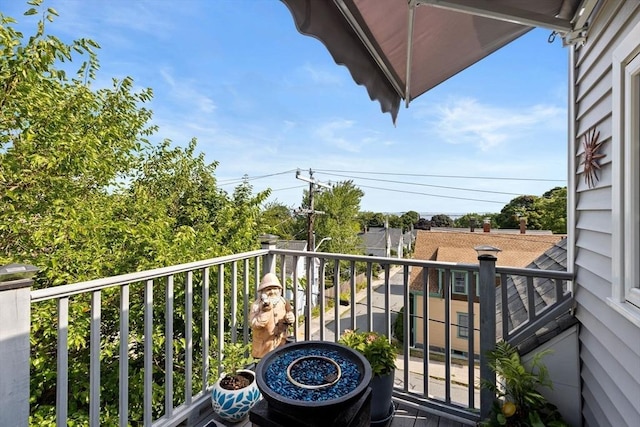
(329, 315)
(459, 373)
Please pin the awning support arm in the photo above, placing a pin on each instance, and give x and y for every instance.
(369, 45)
(410, 20)
(578, 34)
(502, 13)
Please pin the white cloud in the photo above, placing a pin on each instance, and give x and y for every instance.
(321, 76)
(151, 17)
(467, 121)
(333, 133)
(116, 19)
(168, 78)
(350, 137)
(187, 92)
(288, 126)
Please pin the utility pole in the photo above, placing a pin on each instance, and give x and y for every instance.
(310, 211)
(311, 234)
(311, 245)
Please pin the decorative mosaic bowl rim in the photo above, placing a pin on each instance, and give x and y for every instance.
(284, 403)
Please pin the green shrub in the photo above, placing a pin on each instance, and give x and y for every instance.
(520, 403)
(398, 326)
(375, 347)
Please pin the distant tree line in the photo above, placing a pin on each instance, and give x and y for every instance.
(546, 212)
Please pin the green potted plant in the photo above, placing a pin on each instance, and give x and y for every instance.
(236, 391)
(519, 401)
(381, 355)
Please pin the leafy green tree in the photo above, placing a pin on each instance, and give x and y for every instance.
(378, 219)
(183, 180)
(465, 220)
(63, 149)
(340, 205)
(238, 220)
(409, 219)
(517, 208)
(59, 140)
(84, 195)
(423, 224)
(371, 219)
(552, 207)
(441, 220)
(394, 221)
(277, 219)
(186, 185)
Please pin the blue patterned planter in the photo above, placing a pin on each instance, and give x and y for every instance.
(234, 405)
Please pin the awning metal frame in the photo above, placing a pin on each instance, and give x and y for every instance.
(411, 18)
(578, 33)
(570, 22)
(370, 46)
(502, 13)
(572, 31)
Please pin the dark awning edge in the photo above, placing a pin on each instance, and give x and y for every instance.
(345, 47)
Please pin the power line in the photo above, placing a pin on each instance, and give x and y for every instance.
(330, 172)
(288, 188)
(252, 178)
(424, 185)
(433, 195)
(443, 176)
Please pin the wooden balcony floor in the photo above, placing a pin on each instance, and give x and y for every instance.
(405, 416)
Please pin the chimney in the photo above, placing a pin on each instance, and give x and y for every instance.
(472, 224)
(523, 225)
(486, 225)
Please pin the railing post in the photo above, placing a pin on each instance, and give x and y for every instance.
(15, 326)
(268, 241)
(487, 328)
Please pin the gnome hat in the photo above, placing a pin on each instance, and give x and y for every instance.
(270, 280)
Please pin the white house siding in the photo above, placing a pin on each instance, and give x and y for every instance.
(609, 343)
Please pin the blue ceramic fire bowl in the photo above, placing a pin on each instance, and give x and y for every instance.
(283, 374)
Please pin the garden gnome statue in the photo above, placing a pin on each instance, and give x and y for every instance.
(270, 317)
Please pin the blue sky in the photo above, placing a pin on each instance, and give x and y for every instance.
(263, 99)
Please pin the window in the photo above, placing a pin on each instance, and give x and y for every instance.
(459, 282)
(626, 178)
(463, 325)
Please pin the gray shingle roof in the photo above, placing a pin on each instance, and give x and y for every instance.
(555, 259)
(374, 240)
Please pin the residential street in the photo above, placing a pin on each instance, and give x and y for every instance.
(459, 373)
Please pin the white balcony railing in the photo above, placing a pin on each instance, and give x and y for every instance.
(178, 319)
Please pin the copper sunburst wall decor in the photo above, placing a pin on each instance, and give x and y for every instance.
(592, 158)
